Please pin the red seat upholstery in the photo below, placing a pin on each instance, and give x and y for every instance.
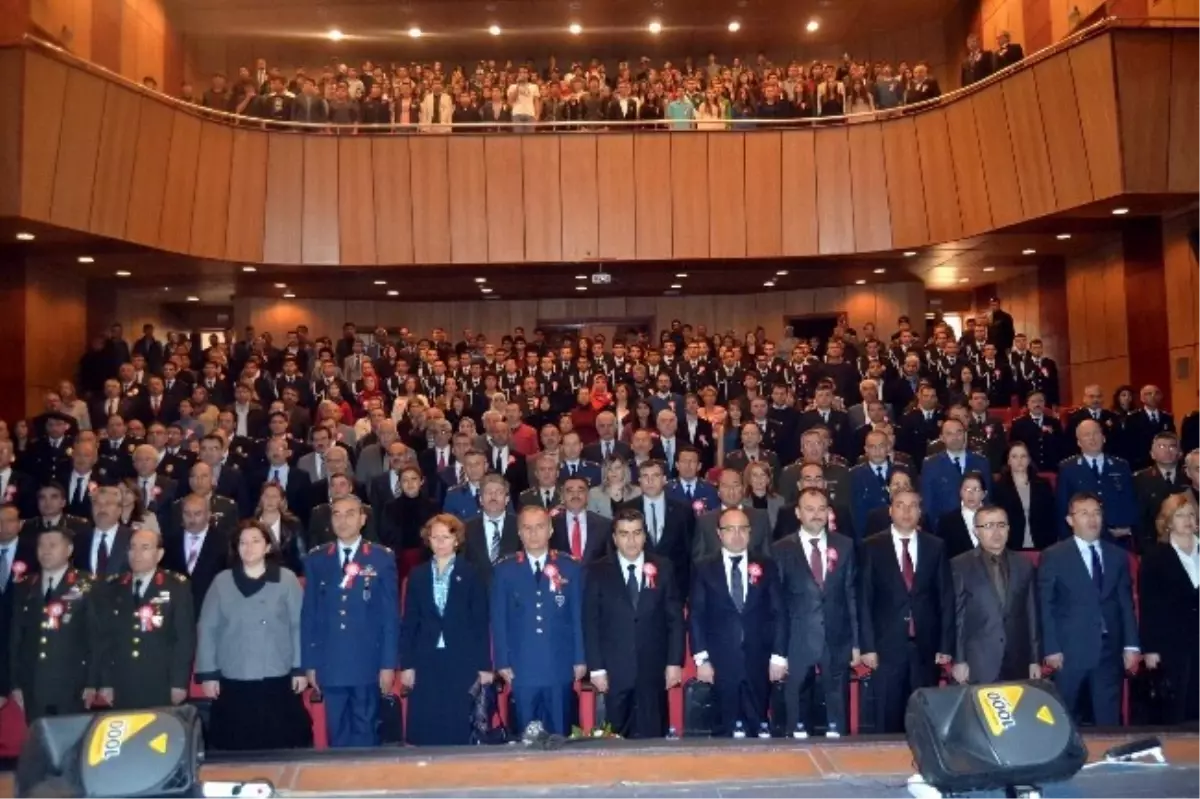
(1051, 478)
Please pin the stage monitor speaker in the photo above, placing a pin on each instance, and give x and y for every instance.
(989, 737)
(153, 752)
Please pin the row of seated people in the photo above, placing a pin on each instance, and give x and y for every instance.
(505, 97)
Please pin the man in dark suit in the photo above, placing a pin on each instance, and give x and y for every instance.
(977, 65)
(820, 599)
(869, 482)
(921, 425)
(249, 419)
(116, 450)
(1142, 425)
(81, 477)
(791, 422)
(942, 473)
(1107, 477)
(227, 477)
(492, 533)
(753, 449)
(51, 515)
(150, 349)
(1093, 408)
(606, 427)
(923, 86)
(633, 631)
(201, 547)
(907, 610)
(669, 524)
(1041, 434)
(1088, 623)
(697, 432)
(104, 549)
(16, 487)
(10, 548)
(320, 523)
(113, 403)
(996, 611)
(731, 494)
(835, 421)
(504, 460)
(1007, 53)
(1165, 476)
(586, 535)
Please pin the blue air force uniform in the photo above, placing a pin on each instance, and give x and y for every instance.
(462, 501)
(350, 630)
(1107, 477)
(537, 631)
(702, 491)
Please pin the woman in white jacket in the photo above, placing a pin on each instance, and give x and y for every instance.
(710, 115)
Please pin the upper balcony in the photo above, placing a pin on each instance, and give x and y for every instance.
(1109, 112)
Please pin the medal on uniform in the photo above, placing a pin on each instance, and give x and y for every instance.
(348, 575)
(54, 611)
(145, 617)
(18, 570)
(555, 578)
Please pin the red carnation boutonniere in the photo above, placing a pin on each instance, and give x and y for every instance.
(1045, 372)
(755, 571)
(1046, 429)
(157, 492)
(145, 617)
(651, 574)
(832, 523)
(511, 460)
(698, 506)
(18, 570)
(996, 372)
(348, 575)
(70, 578)
(158, 578)
(54, 611)
(987, 430)
(10, 493)
(521, 556)
(555, 511)
(93, 486)
(557, 581)
(831, 560)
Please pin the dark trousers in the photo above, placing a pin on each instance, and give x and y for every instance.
(806, 690)
(1101, 684)
(740, 700)
(900, 673)
(552, 705)
(639, 711)
(1184, 694)
(352, 715)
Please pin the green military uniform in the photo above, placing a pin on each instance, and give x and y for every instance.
(149, 639)
(55, 648)
(989, 440)
(533, 497)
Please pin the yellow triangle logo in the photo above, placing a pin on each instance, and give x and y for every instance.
(113, 731)
(159, 743)
(1045, 716)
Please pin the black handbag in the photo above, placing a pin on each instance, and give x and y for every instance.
(391, 719)
(486, 728)
(778, 726)
(699, 710)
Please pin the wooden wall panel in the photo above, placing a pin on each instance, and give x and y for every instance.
(1182, 277)
(1116, 306)
(1183, 168)
(868, 181)
(431, 199)
(762, 193)
(114, 162)
(41, 126)
(651, 167)
(1065, 150)
(356, 201)
(505, 200)
(835, 200)
(963, 140)
(999, 163)
(467, 173)
(247, 197)
(12, 67)
(393, 199)
(621, 218)
(937, 168)
(688, 174)
(579, 194)
(725, 206)
(179, 195)
(78, 143)
(799, 192)
(210, 211)
(1092, 72)
(285, 199)
(1077, 315)
(905, 185)
(1027, 132)
(540, 162)
(319, 233)
(1144, 107)
(155, 129)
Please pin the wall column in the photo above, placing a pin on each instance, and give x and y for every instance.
(1145, 305)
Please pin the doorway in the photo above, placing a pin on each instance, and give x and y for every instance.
(818, 326)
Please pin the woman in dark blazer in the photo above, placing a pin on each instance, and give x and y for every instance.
(287, 531)
(952, 526)
(444, 639)
(1029, 501)
(404, 518)
(1170, 608)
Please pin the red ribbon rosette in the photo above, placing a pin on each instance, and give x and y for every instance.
(10, 493)
(552, 574)
(145, 617)
(55, 611)
(651, 574)
(755, 571)
(831, 560)
(93, 487)
(18, 569)
(832, 523)
(349, 573)
(698, 506)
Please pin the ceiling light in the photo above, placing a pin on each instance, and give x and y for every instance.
(281, 285)
(676, 285)
(964, 280)
(782, 273)
(494, 30)
(1028, 251)
(769, 284)
(193, 299)
(335, 35)
(812, 26)
(249, 269)
(880, 271)
(581, 277)
(414, 32)
(492, 297)
(575, 29)
(1120, 211)
(655, 27)
(481, 280)
(380, 282)
(909, 253)
(166, 288)
(681, 274)
(581, 288)
(1063, 236)
(989, 269)
(735, 26)
(25, 237)
(485, 291)
(86, 259)
(286, 295)
(393, 293)
(123, 273)
(860, 282)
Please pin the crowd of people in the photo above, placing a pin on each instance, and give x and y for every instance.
(389, 512)
(499, 96)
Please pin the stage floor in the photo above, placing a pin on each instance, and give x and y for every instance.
(683, 769)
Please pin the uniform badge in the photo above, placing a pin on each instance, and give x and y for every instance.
(54, 612)
(145, 617)
(170, 468)
(560, 599)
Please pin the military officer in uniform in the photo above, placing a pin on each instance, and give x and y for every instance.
(51, 456)
(1108, 477)
(55, 645)
(320, 525)
(1041, 434)
(150, 631)
(537, 625)
(544, 493)
(1093, 408)
(350, 626)
(52, 514)
(223, 510)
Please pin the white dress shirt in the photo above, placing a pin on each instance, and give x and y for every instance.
(5, 479)
(241, 413)
(280, 474)
(8, 556)
(500, 455)
(78, 479)
(638, 571)
(53, 578)
(670, 447)
(898, 545)
(353, 547)
(659, 516)
(727, 558)
(1191, 563)
(968, 516)
(1085, 552)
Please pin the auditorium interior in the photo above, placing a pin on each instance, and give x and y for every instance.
(856, 168)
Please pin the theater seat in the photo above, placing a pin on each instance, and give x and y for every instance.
(1051, 478)
(1002, 415)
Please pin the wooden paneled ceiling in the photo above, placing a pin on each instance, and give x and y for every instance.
(453, 28)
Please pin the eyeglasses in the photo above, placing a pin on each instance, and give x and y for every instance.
(992, 526)
(741, 528)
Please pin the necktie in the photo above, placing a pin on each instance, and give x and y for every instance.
(958, 464)
(1096, 467)
(996, 572)
(320, 467)
(112, 407)
(1097, 568)
(547, 498)
(5, 570)
(909, 573)
(1153, 418)
(441, 460)
(154, 403)
(606, 448)
(347, 553)
(275, 476)
(881, 474)
(102, 555)
(49, 588)
(437, 109)
(494, 545)
(137, 589)
(193, 553)
(576, 538)
(537, 572)
(631, 583)
(737, 590)
(814, 562)
(654, 522)
(78, 490)
(146, 491)
(670, 452)
(689, 490)
(1168, 476)
(573, 468)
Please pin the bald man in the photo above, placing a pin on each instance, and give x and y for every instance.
(1093, 408)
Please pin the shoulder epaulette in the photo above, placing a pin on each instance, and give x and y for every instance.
(554, 553)
(1071, 459)
(507, 558)
(1116, 459)
(114, 578)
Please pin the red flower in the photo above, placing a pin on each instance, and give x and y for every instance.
(18, 569)
(698, 506)
(755, 571)
(651, 574)
(831, 558)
